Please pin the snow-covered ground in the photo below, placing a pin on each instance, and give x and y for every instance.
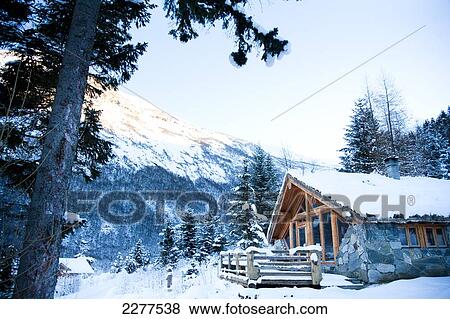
(150, 284)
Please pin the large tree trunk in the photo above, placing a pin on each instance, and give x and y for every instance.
(40, 254)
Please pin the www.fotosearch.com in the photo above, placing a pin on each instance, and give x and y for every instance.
(223, 309)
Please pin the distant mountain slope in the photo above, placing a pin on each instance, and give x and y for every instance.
(144, 135)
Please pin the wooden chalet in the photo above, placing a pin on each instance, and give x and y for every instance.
(369, 227)
(303, 216)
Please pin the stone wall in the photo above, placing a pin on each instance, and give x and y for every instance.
(373, 253)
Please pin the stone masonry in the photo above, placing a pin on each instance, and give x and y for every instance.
(372, 252)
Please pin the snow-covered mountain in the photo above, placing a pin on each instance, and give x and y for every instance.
(145, 135)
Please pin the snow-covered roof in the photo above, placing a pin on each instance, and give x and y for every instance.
(423, 195)
(78, 265)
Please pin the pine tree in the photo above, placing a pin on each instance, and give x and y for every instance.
(220, 239)
(273, 185)
(435, 150)
(76, 28)
(188, 244)
(245, 232)
(168, 251)
(205, 239)
(118, 264)
(443, 129)
(411, 148)
(362, 153)
(219, 244)
(259, 178)
(37, 44)
(425, 151)
(138, 258)
(92, 150)
(38, 265)
(263, 182)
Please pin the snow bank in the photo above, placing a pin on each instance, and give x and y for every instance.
(423, 195)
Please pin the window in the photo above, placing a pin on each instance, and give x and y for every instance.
(430, 237)
(316, 229)
(423, 236)
(292, 235)
(328, 236)
(409, 236)
(403, 237)
(286, 239)
(435, 236)
(413, 241)
(440, 237)
(302, 235)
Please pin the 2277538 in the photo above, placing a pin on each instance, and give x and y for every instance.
(150, 308)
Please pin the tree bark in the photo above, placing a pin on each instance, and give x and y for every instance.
(39, 260)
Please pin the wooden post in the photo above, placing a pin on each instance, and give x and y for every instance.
(335, 233)
(316, 270)
(297, 233)
(309, 229)
(252, 271)
(291, 236)
(236, 259)
(322, 234)
(229, 260)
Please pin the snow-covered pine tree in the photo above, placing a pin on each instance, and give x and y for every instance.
(435, 150)
(168, 254)
(138, 258)
(443, 127)
(273, 185)
(92, 150)
(418, 148)
(205, 239)
(219, 244)
(263, 182)
(411, 148)
(220, 239)
(188, 245)
(245, 232)
(363, 151)
(118, 264)
(259, 179)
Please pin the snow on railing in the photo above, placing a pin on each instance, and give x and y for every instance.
(299, 266)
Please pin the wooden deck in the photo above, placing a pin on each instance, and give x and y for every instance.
(276, 268)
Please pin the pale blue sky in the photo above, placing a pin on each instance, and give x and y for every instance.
(197, 83)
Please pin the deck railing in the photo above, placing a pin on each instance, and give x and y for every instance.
(252, 268)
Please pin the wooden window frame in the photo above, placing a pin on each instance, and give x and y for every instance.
(421, 233)
(433, 233)
(408, 236)
(434, 229)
